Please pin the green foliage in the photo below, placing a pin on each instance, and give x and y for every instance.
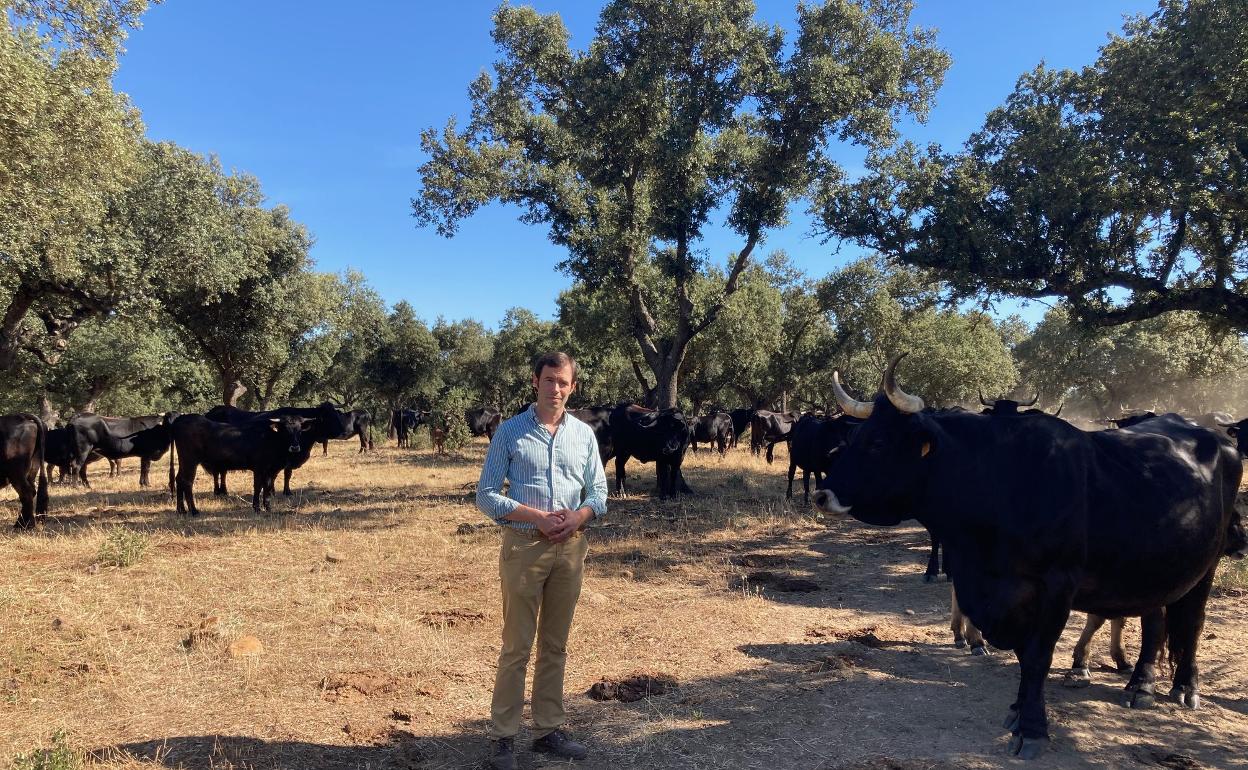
(674, 110)
(60, 756)
(404, 368)
(878, 312)
(1119, 188)
(122, 547)
(1168, 363)
(449, 412)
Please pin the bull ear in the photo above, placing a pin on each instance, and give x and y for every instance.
(273, 426)
(1232, 431)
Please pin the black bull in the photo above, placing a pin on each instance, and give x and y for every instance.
(1038, 517)
(22, 441)
(323, 422)
(263, 446)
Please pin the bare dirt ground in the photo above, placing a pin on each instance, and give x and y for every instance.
(356, 626)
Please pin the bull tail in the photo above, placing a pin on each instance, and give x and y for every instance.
(41, 443)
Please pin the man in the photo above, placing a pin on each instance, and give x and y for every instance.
(556, 486)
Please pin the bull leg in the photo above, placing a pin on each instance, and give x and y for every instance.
(186, 489)
(1184, 621)
(259, 490)
(1142, 687)
(770, 449)
(693, 447)
(286, 482)
(145, 466)
(964, 631)
(1028, 720)
(788, 493)
(1080, 675)
(663, 471)
(324, 447)
(620, 460)
(806, 486)
(26, 495)
(933, 561)
(1115, 645)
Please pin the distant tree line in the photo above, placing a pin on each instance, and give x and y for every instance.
(138, 276)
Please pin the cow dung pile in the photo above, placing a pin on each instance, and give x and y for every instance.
(632, 688)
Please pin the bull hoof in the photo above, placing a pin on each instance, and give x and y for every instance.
(980, 650)
(1186, 695)
(1012, 720)
(1141, 697)
(1077, 677)
(959, 643)
(25, 526)
(1027, 748)
(930, 578)
(1125, 668)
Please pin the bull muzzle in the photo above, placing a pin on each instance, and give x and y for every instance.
(825, 500)
(294, 449)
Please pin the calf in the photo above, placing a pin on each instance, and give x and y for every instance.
(23, 438)
(263, 446)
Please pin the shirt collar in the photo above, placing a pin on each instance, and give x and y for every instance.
(533, 414)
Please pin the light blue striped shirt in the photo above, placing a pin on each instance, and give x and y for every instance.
(547, 473)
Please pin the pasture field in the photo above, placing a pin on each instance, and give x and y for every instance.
(356, 626)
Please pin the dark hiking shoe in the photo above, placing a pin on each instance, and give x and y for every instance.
(559, 744)
(502, 754)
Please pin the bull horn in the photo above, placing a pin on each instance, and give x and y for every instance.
(1033, 401)
(901, 399)
(1059, 410)
(981, 398)
(851, 406)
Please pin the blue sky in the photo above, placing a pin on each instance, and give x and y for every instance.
(326, 109)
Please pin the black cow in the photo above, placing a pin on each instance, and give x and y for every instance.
(1239, 432)
(89, 437)
(651, 436)
(741, 419)
(714, 429)
(483, 421)
(264, 446)
(322, 422)
(1038, 517)
(1127, 420)
(149, 449)
(599, 419)
(813, 444)
(23, 438)
(404, 421)
(357, 422)
(770, 428)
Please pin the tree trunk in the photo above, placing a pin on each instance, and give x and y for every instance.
(232, 391)
(665, 381)
(10, 326)
(46, 412)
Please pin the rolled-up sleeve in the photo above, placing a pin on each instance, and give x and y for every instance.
(595, 480)
(490, 497)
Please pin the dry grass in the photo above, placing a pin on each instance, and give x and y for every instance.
(379, 623)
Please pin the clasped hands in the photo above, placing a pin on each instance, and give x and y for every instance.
(558, 526)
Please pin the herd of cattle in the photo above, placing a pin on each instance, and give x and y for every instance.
(1036, 516)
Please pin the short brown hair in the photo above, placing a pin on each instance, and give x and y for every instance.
(558, 359)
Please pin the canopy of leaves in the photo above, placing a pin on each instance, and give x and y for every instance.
(1122, 188)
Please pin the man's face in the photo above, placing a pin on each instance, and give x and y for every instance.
(554, 386)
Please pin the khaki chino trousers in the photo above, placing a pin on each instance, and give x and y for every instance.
(541, 582)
